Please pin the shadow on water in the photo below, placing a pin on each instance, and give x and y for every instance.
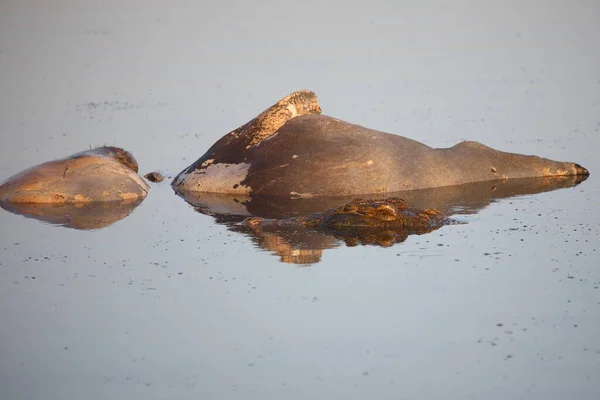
(88, 216)
(305, 246)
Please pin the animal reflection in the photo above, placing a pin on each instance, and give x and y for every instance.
(298, 230)
(359, 222)
(76, 216)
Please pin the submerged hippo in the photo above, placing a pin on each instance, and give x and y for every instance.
(291, 150)
(95, 175)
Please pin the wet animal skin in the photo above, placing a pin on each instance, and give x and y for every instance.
(102, 174)
(291, 150)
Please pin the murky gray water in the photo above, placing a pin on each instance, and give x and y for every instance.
(169, 302)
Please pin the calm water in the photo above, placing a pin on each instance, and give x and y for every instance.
(169, 302)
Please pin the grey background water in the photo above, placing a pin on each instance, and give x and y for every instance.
(167, 304)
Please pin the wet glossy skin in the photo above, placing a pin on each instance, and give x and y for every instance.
(292, 150)
(97, 175)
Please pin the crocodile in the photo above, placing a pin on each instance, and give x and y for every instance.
(370, 221)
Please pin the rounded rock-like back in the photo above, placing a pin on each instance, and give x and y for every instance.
(96, 175)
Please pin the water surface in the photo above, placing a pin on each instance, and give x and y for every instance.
(169, 302)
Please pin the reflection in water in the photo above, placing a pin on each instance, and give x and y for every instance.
(302, 246)
(78, 216)
(305, 246)
(293, 247)
(365, 222)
